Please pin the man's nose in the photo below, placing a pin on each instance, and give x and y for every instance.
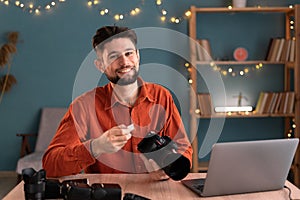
(123, 59)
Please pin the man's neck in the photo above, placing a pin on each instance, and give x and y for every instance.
(127, 93)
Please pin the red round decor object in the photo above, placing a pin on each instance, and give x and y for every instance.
(240, 54)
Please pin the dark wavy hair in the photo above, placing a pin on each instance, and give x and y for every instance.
(107, 33)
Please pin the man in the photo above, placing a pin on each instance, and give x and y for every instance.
(102, 128)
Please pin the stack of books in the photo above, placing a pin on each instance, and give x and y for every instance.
(281, 50)
(275, 103)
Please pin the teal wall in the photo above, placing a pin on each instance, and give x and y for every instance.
(54, 44)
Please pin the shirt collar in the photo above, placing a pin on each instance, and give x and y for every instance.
(145, 94)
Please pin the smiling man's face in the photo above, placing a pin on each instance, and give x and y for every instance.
(119, 60)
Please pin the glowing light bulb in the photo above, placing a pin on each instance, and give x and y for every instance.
(188, 13)
(6, 3)
(158, 2)
(197, 111)
(96, 2)
(246, 70)
(117, 17)
(47, 7)
(52, 3)
(230, 70)
(164, 12)
(89, 3)
(229, 7)
(30, 6)
(104, 11)
(242, 73)
(163, 18)
(187, 64)
(190, 81)
(17, 3)
(37, 11)
(22, 5)
(137, 10)
(132, 12)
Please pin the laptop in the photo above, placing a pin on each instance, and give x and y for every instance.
(243, 167)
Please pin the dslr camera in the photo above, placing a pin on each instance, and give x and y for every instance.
(163, 151)
(37, 187)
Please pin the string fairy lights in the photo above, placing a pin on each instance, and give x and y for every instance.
(228, 71)
(105, 11)
(31, 7)
(164, 14)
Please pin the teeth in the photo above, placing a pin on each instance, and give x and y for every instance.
(125, 70)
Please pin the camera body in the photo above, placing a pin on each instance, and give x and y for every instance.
(37, 187)
(163, 150)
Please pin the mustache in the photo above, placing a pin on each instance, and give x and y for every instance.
(125, 67)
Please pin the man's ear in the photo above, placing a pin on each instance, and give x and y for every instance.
(138, 54)
(99, 65)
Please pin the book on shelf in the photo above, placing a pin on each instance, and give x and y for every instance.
(292, 51)
(205, 104)
(281, 49)
(273, 48)
(286, 51)
(204, 50)
(275, 103)
(291, 102)
(261, 102)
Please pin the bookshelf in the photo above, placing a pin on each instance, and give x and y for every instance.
(288, 67)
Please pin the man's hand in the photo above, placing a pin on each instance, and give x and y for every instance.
(111, 141)
(154, 170)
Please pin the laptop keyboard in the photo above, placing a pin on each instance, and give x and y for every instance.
(196, 185)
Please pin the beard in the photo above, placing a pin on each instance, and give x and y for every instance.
(124, 80)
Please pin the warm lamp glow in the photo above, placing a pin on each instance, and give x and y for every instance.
(234, 109)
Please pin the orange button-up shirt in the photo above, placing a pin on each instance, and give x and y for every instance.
(97, 111)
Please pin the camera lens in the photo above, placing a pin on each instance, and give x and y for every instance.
(178, 167)
(164, 152)
(34, 184)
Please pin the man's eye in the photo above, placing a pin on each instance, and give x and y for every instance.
(112, 57)
(129, 53)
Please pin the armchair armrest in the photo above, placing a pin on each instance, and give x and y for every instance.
(25, 148)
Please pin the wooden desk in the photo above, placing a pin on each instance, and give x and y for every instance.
(166, 190)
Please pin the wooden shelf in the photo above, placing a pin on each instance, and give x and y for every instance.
(250, 62)
(242, 115)
(288, 77)
(246, 9)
